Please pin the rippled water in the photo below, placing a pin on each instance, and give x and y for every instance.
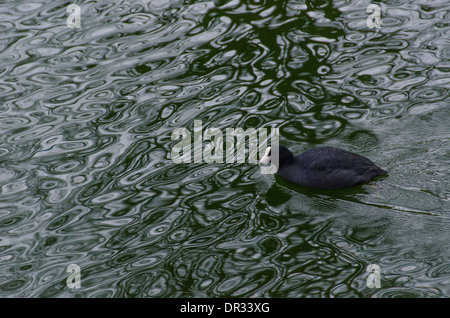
(86, 176)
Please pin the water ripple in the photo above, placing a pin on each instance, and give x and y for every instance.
(87, 178)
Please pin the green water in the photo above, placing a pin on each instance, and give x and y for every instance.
(86, 176)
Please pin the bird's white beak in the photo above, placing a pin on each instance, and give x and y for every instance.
(266, 157)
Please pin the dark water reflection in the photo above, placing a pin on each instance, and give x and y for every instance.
(86, 177)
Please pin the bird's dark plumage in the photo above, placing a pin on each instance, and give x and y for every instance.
(326, 168)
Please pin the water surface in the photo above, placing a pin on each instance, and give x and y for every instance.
(86, 176)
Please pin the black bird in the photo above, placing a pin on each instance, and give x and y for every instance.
(322, 167)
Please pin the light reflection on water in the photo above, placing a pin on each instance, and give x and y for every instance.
(86, 121)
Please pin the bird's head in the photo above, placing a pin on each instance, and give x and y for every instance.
(277, 154)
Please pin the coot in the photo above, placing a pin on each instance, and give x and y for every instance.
(323, 167)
